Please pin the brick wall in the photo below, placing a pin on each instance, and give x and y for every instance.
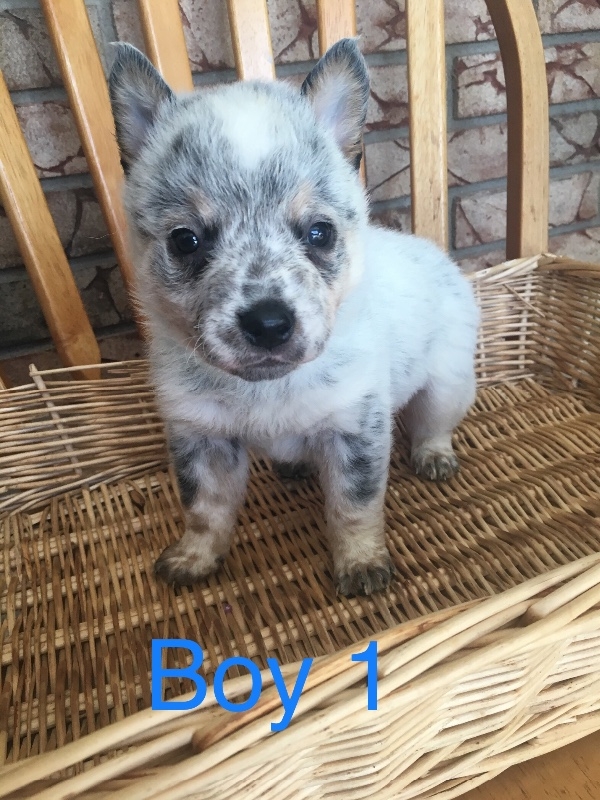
(476, 139)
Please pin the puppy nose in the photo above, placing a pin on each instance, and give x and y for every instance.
(267, 324)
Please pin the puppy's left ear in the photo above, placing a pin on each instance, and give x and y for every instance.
(338, 88)
(137, 93)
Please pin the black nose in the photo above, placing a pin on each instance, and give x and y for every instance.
(267, 324)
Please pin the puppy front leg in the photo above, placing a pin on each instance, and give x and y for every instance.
(212, 475)
(354, 470)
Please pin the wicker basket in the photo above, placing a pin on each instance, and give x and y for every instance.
(488, 642)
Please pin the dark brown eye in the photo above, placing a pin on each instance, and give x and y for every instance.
(320, 234)
(185, 240)
(191, 251)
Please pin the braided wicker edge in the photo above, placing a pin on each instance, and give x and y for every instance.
(418, 661)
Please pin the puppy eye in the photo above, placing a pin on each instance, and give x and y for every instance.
(319, 234)
(185, 240)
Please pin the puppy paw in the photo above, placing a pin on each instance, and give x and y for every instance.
(287, 471)
(178, 567)
(364, 579)
(434, 466)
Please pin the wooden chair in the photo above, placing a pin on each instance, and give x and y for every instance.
(70, 29)
(489, 641)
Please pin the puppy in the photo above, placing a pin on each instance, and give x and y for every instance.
(280, 319)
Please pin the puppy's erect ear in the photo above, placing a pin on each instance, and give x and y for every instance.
(338, 88)
(137, 91)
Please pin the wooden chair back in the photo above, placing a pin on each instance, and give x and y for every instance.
(69, 26)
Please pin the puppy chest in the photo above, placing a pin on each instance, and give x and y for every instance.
(256, 420)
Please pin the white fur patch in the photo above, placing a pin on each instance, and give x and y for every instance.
(253, 126)
(331, 103)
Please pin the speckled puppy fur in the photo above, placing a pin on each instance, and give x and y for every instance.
(280, 320)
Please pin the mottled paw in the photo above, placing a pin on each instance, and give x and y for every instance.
(288, 471)
(364, 579)
(177, 566)
(434, 466)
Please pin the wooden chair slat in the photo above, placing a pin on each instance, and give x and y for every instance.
(86, 86)
(336, 20)
(251, 38)
(40, 246)
(427, 105)
(165, 42)
(528, 126)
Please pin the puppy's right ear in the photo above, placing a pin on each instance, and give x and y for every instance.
(338, 89)
(137, 91)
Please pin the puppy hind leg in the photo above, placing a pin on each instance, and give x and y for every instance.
(430, 418)
(289, 471)
(291, 458)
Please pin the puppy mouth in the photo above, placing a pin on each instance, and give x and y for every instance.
(270, 366)
(251, 366)
(265, 369)
(271, 361)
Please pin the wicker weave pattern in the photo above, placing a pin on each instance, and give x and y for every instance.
(88, 503)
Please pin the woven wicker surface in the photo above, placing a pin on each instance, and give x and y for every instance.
(88, 502)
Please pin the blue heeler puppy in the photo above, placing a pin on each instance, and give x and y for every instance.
(280, 319)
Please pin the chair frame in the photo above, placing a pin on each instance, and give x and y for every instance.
(71, 33)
